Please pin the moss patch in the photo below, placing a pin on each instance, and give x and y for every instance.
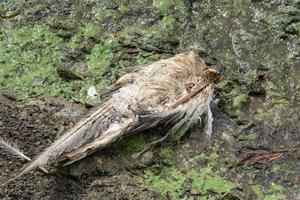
(173, 182)
(30, 57)
(208, 180)
(162, 4)
(274, 192)
(240, 101)
(131, 144)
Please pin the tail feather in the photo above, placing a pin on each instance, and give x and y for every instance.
(83, 133)
(113, 133)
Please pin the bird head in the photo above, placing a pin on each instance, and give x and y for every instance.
(211, 75)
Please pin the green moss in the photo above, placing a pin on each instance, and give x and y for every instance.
(63, 24)
(273, 90)
(31, 55)
(154, 38)
(99, 60)
(168, 22)
(91, 30)
(178, 134)
(172, 181)
(131, 144)
(83, 34)
(146, 58)
(207, 180)
(76, 42)
(249, 137)
(165, 154)
(257, 189)
(252, 136)
(239, 101)
(186, 146)
(212, 157)
(162, 4)
(274, 192)
(277, 114)
(123, 8)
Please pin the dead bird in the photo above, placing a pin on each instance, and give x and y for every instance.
(175, 91)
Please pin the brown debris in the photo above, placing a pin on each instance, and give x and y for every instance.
(264, 157)
(11, 16)
(7, 96)
(67, 74)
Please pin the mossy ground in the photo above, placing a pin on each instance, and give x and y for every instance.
(254, 44)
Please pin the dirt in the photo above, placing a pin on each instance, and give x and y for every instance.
(33, 129)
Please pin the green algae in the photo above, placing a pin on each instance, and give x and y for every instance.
(85, 32)
(273, 192)
(131, 144)
(153, 38)
(276, 192)
(172, 181)
(31, 55)
(162, 4)
(275, 115)
(208, 180)
(165, 154)
(240, 101)
(91, 30)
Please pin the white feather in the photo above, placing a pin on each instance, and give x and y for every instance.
(12, 149)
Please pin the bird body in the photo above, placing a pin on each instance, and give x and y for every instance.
(174, 91)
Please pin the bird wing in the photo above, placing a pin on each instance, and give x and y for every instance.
(100, 123)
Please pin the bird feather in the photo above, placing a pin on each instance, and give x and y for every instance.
(12, 149)
(77, 136)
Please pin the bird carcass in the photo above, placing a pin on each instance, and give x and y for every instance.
(173, 91)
